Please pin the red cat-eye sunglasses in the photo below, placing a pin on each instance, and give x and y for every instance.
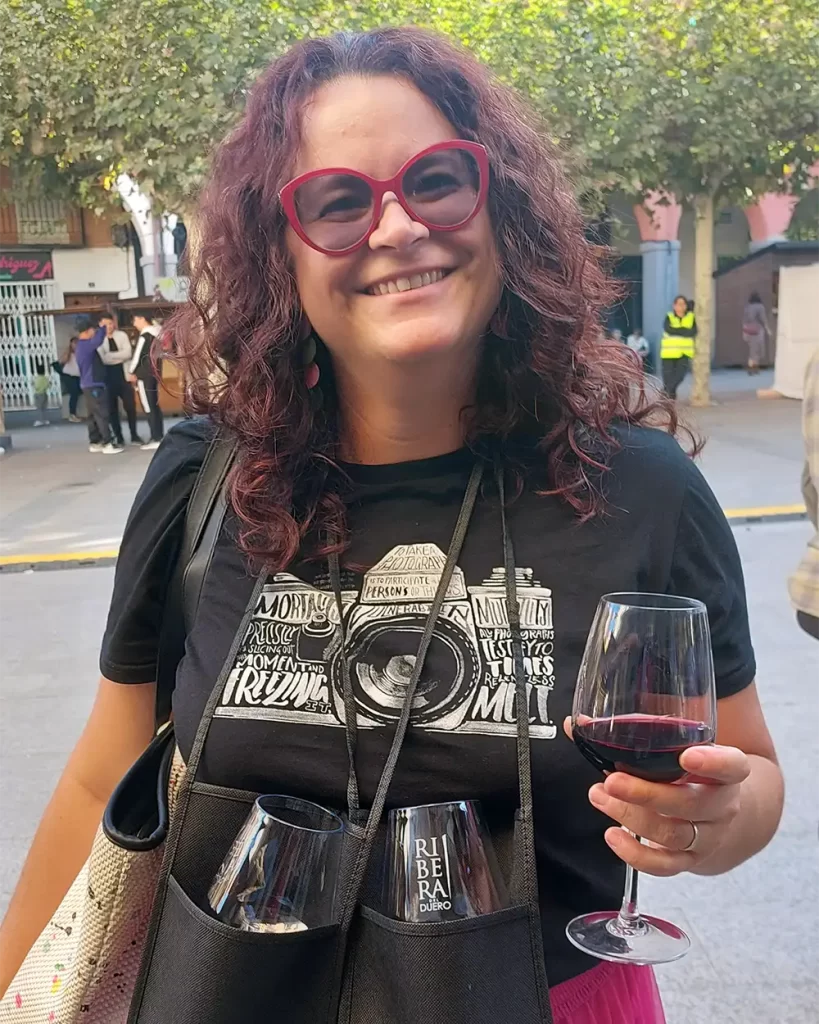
(335, 210)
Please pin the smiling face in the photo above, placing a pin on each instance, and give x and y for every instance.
(409, 293)
(680, 307)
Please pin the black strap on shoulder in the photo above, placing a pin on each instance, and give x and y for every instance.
(204, 516)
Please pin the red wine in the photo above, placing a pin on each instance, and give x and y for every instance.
(648, 746)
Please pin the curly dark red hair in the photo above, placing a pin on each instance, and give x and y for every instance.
(546, 370)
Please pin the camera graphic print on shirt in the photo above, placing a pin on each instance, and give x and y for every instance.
(288, 666)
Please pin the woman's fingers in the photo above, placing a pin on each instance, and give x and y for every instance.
(683, 800)
(673, 833)
(726, 765)
(649, 860)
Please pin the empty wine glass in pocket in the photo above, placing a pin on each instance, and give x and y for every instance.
(281, 873)
(441, 864)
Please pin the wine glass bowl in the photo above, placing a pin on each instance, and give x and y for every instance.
(645, 693)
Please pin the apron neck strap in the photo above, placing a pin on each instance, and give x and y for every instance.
(377, 809)
(526, 815)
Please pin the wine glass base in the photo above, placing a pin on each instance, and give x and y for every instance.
(651, 941)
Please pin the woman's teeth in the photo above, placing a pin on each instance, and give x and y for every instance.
(406, 284)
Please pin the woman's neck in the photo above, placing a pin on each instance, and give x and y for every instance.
(403, 413)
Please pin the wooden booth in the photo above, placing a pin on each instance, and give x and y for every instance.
(758, 272)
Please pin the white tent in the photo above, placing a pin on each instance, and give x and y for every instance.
(797, 335)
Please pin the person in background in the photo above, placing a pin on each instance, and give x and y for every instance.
(42, 385)
(70, 379)
(755, 330)
(116, 353)
(92, 380)
(803, 585)
(142, 373)
(677, 346)
(639, 344)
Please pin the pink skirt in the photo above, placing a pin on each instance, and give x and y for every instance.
(609, 994)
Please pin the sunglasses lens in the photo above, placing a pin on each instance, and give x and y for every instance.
(334, 210)
(443, 188)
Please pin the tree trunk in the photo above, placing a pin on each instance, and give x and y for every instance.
(703, 296)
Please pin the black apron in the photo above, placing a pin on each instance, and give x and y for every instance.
(366, 968)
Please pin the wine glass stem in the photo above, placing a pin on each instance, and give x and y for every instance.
(628, 920)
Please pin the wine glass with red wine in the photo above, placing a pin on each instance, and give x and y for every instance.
(645, 693)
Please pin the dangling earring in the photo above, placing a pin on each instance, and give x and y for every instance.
(308, 355)
(498, 325)
(311, 367)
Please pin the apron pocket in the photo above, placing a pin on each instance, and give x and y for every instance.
(206, 972)
(480, 969)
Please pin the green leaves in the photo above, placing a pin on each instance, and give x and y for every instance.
(647, 94)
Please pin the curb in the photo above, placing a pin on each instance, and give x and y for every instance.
(765, 514)
(97, 559)
(60, 560)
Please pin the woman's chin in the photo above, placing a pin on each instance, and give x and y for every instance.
(411, 346)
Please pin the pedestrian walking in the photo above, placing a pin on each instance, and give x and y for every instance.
(755, 331)
(144, 371)
(42, 385)
(804, 583)
(399, 353)
(90, 337)
(677, 345)
(116, 354)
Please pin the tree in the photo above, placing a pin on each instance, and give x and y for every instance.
(91, 88)
(710, 101)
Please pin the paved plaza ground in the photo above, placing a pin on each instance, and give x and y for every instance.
(755, 952)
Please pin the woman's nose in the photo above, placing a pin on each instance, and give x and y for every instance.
(395, 228)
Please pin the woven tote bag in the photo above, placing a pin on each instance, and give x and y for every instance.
(83, 967)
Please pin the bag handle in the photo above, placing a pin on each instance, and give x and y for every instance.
(204, 516)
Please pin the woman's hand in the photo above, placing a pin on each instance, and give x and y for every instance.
(665, 814)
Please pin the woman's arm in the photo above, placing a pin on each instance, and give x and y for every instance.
(760, 797)
(119, 728)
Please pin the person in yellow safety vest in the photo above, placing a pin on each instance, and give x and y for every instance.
(677, 346)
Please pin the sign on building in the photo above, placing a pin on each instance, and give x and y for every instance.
(20, 265)
(26, 341)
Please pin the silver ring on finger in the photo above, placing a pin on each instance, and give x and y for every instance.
(691, 848)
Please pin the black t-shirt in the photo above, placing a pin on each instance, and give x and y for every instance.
(279, 723)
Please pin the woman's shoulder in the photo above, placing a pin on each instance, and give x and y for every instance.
(647, 447)
(183, 448)
(650, 468)
(172, 472)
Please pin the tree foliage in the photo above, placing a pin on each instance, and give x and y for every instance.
(714, 95)
(705, 100)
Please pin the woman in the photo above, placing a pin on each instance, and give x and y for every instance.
(677, 345)
(754, 331)
(70, 378)
(477, 336)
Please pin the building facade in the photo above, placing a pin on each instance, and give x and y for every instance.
(52, 255)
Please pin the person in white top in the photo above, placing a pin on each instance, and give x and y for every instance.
(145, 373)
(637, 343)
(115, 353)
